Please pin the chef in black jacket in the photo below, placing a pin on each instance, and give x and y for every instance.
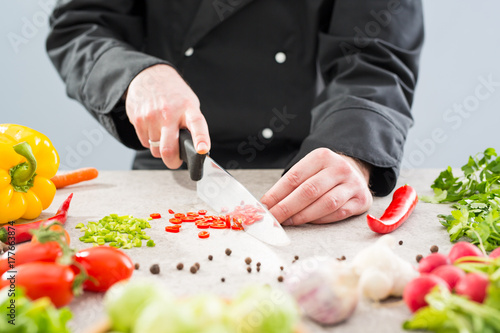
(248, 70)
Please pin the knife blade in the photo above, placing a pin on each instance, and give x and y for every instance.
(224, 194)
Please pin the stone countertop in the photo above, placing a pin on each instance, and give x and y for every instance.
(140, 193)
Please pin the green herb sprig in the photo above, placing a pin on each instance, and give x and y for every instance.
(476, 198)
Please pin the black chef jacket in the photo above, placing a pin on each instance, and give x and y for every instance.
(254, 65)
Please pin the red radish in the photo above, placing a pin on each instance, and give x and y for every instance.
(473, 285)
(416, 290)
(463, 249)
(495, 253)
(431, 262)
(450, 274)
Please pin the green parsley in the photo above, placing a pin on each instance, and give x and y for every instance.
(476, 198)
(122, 232)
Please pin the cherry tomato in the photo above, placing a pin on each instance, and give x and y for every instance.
(105, 265)
(57, 228)
(171, 211)
(44, 279)
(29, 252)
(202, 212)
(172, 228)
(175, 220)
(155, 215)
(204, 234)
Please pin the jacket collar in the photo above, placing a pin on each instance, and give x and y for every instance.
(210, 14)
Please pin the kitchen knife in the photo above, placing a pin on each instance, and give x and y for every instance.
(225, 194)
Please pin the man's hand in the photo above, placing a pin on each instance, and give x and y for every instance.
(158, 104)
(322, 187)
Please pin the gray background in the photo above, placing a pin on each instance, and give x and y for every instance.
(461, 51)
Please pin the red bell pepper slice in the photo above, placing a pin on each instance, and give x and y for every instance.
(403, 203)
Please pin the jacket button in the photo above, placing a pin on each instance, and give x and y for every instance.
(280, 57)
(189, 52)
(267, 133)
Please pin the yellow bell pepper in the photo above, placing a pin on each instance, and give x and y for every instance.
(27, 162)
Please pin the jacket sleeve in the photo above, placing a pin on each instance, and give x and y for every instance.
(95, 46)
(369, 61)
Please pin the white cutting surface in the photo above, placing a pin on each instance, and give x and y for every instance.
(140, 193)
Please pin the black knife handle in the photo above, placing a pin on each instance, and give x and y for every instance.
(189, 155)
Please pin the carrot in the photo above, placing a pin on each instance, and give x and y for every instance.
(74, 177)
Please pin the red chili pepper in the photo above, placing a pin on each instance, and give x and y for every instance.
(403, 202)
(236, 227)
(204, 234)
(192, 214)
(22, 231)
(204, 225)
(155, 216)
(188, 219)
(175, 220)
(173, 228)
(179, 215)
(218, 225)
(202, 212)
(171, 211)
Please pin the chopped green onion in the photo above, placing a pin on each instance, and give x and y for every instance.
(119, 231)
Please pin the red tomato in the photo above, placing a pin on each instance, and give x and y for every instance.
(105, 265)
(29, 252)
(44, 279)
(58, 228)
(204, 234)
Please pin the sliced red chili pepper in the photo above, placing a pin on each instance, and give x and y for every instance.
(173, 228)
(204, 234)
(218, 225)
(202, 212)
(228, 221)
(188, 219)
(179, 215)
(175, 220)
(236, 227)
(171, 211)
(155, 216)
(249, 221)
(203, 225)
(402, 205)
(192, 214)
